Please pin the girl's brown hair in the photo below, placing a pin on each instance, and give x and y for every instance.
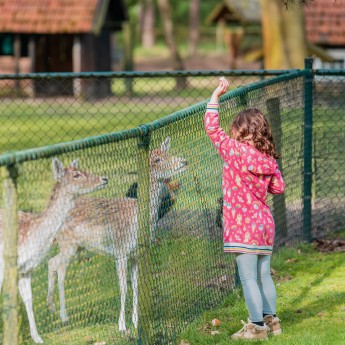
(251, 125)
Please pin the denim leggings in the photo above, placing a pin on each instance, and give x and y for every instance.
(258, 287)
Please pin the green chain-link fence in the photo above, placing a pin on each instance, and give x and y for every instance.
(43, 109)
(105, 244)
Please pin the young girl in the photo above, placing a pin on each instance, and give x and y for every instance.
(250, 171)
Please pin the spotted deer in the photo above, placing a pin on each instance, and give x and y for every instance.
(110, 227)
(36, 232)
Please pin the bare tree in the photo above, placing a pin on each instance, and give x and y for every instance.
(194, 19)
(147, 22)
(176, 60)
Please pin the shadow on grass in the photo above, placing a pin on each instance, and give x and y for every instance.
(326, 301)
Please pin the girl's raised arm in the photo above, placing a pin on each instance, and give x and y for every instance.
(211, 120)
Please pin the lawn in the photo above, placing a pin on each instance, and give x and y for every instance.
(311, 303)
(189, 272)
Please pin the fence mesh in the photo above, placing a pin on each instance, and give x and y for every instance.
(42, 110)
(328, 138)
(144, 253)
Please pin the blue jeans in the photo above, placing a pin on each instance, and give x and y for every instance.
(258, 287)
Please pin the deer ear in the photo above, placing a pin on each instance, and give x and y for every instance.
(166, 144)
(58, 169)
(74, 164)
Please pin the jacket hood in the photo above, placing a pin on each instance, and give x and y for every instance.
(258, 163)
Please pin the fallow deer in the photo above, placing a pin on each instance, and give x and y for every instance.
(109, 227)
(36, 232)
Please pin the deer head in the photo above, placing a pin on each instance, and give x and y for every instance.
(163, 166)
(75, 181)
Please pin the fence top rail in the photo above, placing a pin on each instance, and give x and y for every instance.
(332, 72)
(239, 91)
(129, 74)
(11, 158)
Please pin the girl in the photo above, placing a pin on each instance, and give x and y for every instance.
(250, 171)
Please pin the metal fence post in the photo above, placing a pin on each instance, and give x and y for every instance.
(144, 239)
(308, 148)
(10, 233)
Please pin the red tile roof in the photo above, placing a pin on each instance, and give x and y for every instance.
(325, 22)
(48, 16)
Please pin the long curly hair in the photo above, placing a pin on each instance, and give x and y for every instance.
(251, 125)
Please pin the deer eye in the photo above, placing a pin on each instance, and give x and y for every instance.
(157, 160)
(77, 175)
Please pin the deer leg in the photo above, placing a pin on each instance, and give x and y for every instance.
(121, 266)
(134, 279)
(2, 272)
(51, 283)
(25, 291)
(59, 264)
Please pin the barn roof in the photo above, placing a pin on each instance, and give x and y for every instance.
(244, 11)
(58, 16)
(325, 22)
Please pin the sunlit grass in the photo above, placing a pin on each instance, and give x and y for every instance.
(310, 303)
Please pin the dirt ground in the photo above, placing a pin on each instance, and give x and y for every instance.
(330, 245)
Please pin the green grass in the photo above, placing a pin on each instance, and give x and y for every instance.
(311, 303)
(188, 270)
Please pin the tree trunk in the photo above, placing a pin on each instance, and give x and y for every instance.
(147, 23)
(283, 33)
(176, 60)
(193, 26)
(272, 32)
(294, 36)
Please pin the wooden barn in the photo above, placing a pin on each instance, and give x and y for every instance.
(60, 36)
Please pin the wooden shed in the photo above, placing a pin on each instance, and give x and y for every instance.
(237, 21)
(60, 36)
(324, 27)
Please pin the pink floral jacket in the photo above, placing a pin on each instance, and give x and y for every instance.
(248, 175)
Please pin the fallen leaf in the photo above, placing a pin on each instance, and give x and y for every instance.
(273, 272)
(184, 342)
(298, 311)
(214, 332)
(291, 260)
(215, 322)
(321, 314)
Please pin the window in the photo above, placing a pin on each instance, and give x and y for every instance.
(7, 45)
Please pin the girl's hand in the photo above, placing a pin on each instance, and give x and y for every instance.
(221, 89)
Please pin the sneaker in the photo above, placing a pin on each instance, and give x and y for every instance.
(273, 324)
(251, 331)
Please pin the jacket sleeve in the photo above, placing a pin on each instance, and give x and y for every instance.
(219, 138)
(277, 185)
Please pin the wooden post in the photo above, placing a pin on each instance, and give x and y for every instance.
(32, 56)
(76, 57)
(10, 289)
(144, 239)
(17, 48)
(279, 207)
(128, 32)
